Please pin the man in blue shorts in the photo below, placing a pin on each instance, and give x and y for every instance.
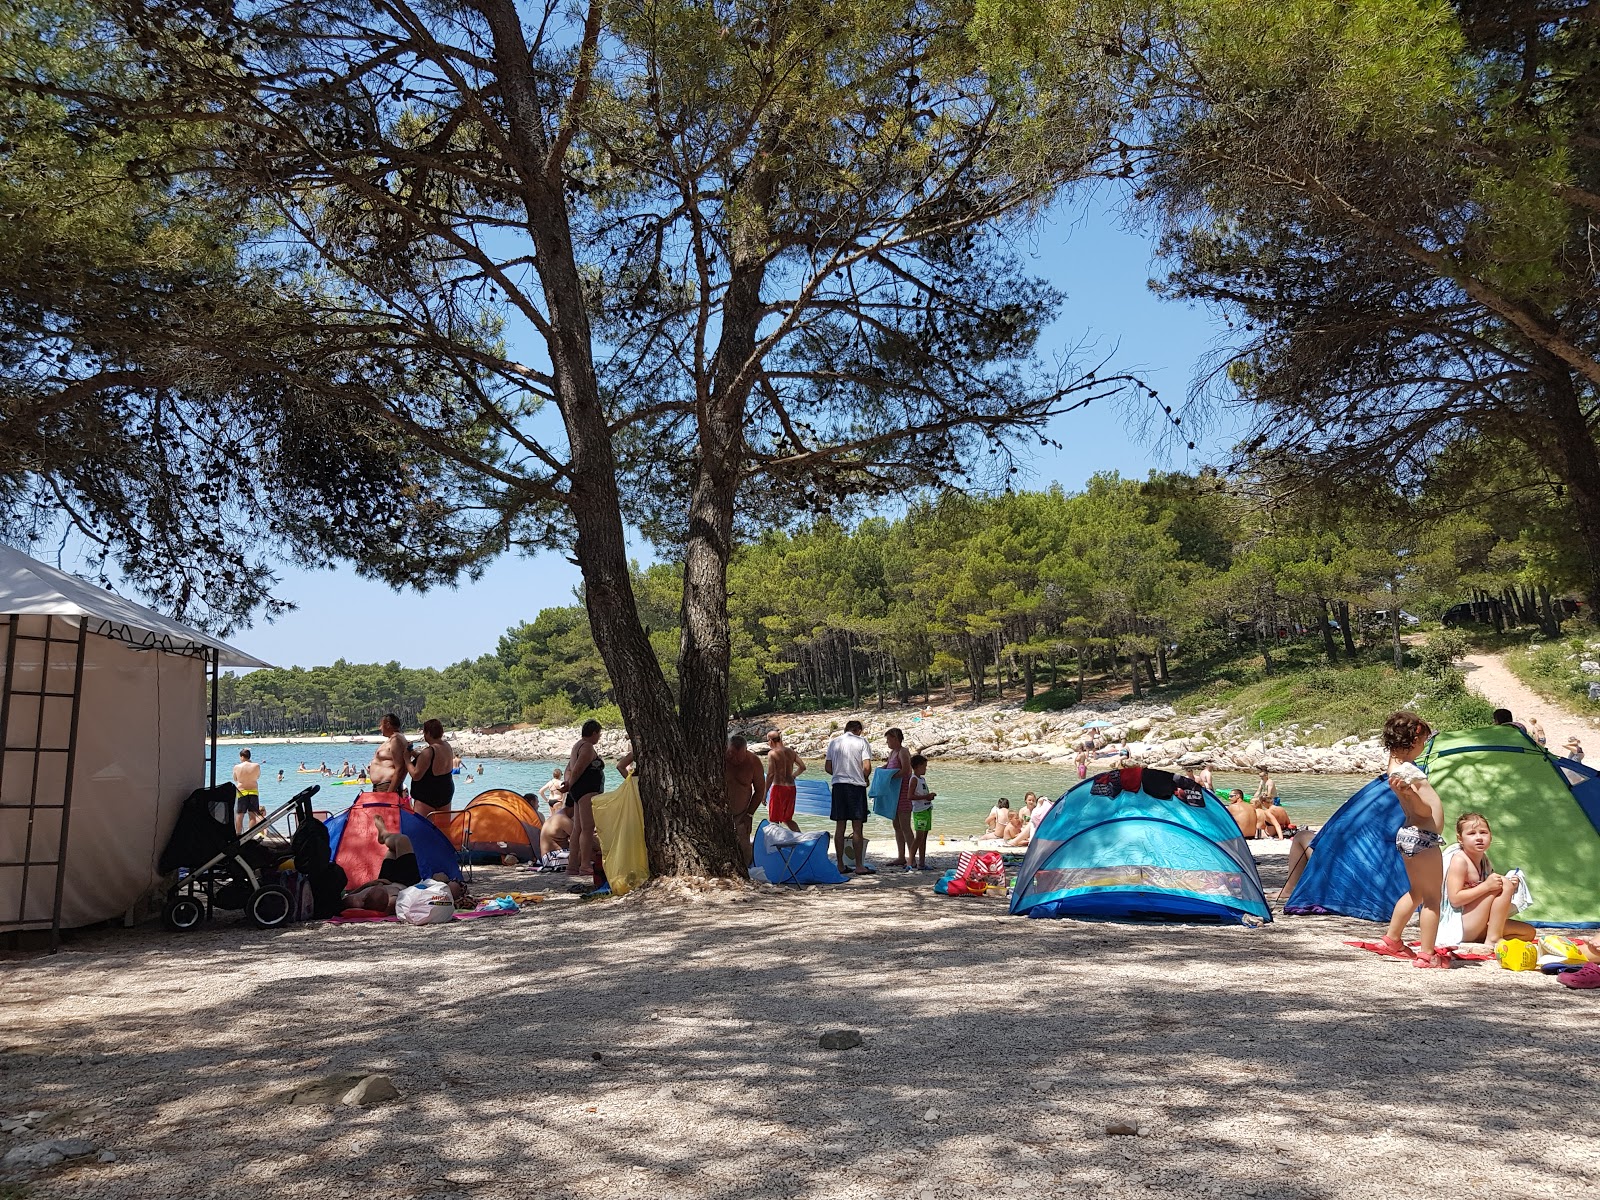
(848, 761)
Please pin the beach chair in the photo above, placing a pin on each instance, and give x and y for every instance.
(789, 857)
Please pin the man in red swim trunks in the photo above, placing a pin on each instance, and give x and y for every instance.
(783, 764)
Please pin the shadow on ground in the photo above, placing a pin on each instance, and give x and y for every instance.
(637, 1047)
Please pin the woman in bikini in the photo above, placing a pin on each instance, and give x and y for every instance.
(583, 780)
(1419, 841)
(433, 786)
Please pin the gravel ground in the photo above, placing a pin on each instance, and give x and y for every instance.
(667, 1046)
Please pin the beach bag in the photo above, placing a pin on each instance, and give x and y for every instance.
(304, 901)
(425, 903)
(884, 792)
(311, 846)
(327, 891)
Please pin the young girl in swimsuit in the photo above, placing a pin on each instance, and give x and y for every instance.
(1477, 899)
(1406, 735)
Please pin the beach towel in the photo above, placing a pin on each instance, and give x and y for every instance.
(360, 853)
(884, 792)
(619, 822)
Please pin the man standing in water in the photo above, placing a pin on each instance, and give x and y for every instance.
(387, 771)
(848, 760)
(783, 764)
(741, 771)
(1266, 788)
(247, 786)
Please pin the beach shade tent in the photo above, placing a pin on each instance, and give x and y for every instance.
(353, 837)
(1544, 812)
(493, 824)
(1139, 844)
(788, 857)
(104, 721)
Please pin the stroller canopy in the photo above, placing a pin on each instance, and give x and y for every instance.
(1139, 844)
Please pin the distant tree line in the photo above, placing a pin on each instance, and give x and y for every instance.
(1022, 596)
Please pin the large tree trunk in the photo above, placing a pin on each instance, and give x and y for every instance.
(1394, 629)
(1573, 448)
(1345, 631)
(1327, 631)
(679, 747)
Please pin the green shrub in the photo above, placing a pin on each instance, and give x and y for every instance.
(609, 715)
(1057, 698)
(1440, 653)
(552, 711)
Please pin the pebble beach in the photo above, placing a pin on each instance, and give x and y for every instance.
(668, 1044)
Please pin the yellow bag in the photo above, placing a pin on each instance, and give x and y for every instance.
(1554, 943)
(619, 822)
(1517, 955)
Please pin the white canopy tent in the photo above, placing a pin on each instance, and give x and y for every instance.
(106, 722)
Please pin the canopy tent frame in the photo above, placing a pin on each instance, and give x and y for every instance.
(30, 744)
(46, 609)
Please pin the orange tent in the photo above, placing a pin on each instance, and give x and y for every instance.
(494, 824)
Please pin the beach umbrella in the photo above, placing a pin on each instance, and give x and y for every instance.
(1097, 724)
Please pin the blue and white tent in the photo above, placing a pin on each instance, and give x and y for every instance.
(1139, 844)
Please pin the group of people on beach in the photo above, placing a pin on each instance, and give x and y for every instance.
(901, 783)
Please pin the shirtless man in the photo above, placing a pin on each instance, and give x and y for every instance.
(1203, 776)
(783, 764)
(1244, 813)
(247, 786)
(741, 771)
(387, 771)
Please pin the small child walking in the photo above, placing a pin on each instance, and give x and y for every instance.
(1477, 900)
(921, 812)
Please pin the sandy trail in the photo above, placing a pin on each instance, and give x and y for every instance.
(1488, 675)
(1271, 1062)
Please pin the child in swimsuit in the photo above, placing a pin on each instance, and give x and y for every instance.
(1477, 900)
(921, 811)
(1418, 840)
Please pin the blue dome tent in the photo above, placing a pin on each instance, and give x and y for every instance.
(1544, 811)
(1139, 844)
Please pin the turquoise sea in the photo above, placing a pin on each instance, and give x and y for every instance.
(966, 791)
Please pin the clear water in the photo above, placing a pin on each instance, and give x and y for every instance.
(966, 791)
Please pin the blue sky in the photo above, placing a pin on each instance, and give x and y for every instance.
(1109, 311)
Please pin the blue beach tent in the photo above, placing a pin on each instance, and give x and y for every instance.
(1139, 844)
(1354, 868)
(1544, 812)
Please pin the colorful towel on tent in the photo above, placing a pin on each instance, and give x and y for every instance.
(360, 853)
(619, 822)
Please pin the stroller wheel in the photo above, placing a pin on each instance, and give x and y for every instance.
(270, 906)
(182, 913)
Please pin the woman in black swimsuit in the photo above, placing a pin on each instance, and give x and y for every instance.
(583, 780)
(432, 784)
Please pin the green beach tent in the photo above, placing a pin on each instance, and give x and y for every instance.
(1543, 818)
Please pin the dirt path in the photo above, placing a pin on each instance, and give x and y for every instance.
(1488, 675)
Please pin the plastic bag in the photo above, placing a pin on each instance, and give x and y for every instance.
(425, 903)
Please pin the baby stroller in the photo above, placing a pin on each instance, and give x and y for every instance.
(220, 868)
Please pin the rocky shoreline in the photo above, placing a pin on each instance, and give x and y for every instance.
(1155, 735)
